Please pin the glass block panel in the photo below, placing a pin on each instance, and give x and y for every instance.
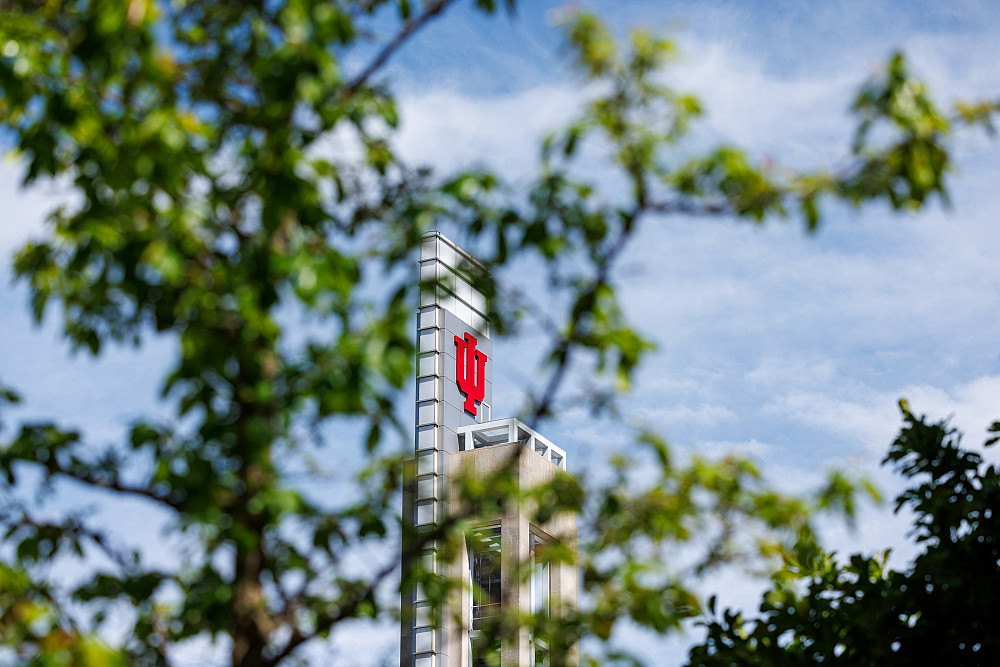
(426, 413)
(423, 640)
(425, 512)
(425, 488)
(428, 248)
(427, 389)
(425, 463)
(426, 437)
(427, 340)
(427, 364)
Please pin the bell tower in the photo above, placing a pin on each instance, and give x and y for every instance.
(457, 435)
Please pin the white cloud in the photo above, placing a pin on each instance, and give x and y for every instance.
(681, 415)
(799, 119)
(752, 448)
(874, 418)
(778, 371)
(504, 131)
(871, 423)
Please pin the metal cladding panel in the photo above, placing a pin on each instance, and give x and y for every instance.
(449, 440)
(453, 397)
(427, 389)
(425, 488)
(427, 437)
(428, 364)
(423, 616)
(427, 341)
(423, 640)
(428, 317)
(453, 417)
(426, 463)
(458, 327)
(425, 512)
(428, 413)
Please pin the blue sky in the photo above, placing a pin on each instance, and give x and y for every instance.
(790, 348)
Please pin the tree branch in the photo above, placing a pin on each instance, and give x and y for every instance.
(412, 548)
(433, 10)
(687, 207)
(112, 484)
(564, 349)
(349, 610)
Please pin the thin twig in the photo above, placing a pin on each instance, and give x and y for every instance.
(564, 349)
(115, 485)
(410, 27)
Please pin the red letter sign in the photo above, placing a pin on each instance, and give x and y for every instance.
(471, 380)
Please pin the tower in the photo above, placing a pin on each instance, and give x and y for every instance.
(456, 435)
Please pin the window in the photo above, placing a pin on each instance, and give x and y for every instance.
(484, 565)
(485, 653)
(539, 587)
(539, 577)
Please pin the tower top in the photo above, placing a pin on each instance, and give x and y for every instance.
(448, 276)
(456, 436)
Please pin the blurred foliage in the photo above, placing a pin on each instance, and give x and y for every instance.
(34, 625)
(209, 203)
(858, 611)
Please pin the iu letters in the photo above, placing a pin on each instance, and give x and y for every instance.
(470, 366)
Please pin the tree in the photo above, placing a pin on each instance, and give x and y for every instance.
(860, 612)
(208, 210)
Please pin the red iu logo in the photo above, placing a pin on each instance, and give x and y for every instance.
(471, 379)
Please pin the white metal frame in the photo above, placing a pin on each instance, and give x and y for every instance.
(503, 431)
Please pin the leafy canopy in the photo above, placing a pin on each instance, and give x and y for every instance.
(859, 611)
(208, 209)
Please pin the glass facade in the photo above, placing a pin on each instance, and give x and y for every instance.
(540, 587)
(539, 577)
(484, 567)
(485, 653)
(484, 556)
